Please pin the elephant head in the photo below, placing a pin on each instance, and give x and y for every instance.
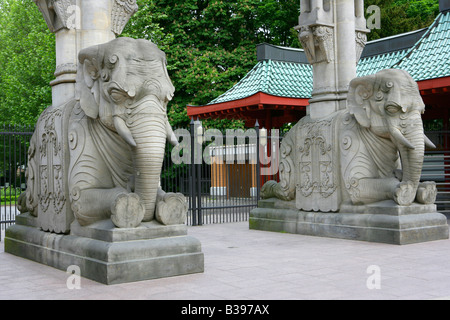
(389, 105)
(116, 77)
(124, 85)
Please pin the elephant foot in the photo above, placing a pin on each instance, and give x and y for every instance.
(171, 208)
(268, 189)
(273, 189)
(405, 193)
(127, 211)
(21, 203)
(427, 192)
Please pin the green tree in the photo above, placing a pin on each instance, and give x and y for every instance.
(278, 19)
(400, 16)
(27, 62)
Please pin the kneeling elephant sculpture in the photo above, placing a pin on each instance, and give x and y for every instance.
(377, 151)
(116, 135)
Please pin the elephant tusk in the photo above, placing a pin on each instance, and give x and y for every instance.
(123, 131)
(171, 137)
(397, 136)
(428, 143)
(173, 140)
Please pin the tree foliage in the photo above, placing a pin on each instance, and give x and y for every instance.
(400, 16)
(27, 62)
(210, 46)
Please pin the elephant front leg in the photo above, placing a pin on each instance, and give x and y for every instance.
(171, 208)
(126, 210)
(403, 193)
(369, 190)
(427, 192)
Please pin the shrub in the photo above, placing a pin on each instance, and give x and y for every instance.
(9, 194)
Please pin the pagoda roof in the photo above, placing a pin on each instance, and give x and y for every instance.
(277, 78)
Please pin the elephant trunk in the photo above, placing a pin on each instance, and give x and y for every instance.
(147, 126)
(412, 154)
(412, 159)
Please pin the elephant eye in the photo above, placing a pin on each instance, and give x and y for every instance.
(392, 109)
(104, 74)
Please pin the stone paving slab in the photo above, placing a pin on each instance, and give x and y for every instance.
(243, 264)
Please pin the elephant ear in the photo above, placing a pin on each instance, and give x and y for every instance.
(361, 89)
(87, 86)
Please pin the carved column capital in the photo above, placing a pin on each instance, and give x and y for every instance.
(60, 14)
(361, 40)
(318, 42)
(56, 13)
(121, 13)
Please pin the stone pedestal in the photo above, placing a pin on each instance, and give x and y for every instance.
(383, 222)
(107, 254)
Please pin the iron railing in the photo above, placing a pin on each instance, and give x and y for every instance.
(219, 179)
(436, 168)
(14, 144)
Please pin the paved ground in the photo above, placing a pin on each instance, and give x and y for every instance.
(247, 264)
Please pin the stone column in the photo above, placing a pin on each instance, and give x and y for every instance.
(345, 47)
(333, 35)
(96, 26)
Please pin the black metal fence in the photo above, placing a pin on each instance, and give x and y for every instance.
(14, 144)
(216, 171)
(437, 168)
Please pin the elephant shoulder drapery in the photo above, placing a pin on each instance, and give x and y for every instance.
(381, 151)
(115, 153)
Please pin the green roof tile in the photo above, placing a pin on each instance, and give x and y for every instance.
(430, 57)
(278, 78)
(371, 65)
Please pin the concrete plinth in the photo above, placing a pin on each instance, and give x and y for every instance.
(382, 222)
(107, 254)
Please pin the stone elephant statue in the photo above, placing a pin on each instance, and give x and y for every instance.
(378, 148)
(116, 132)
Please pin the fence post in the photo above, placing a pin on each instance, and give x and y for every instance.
(199, 140)
(258, 164)
(192, 176)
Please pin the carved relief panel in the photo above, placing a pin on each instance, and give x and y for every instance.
(318, 166)
(53, 209)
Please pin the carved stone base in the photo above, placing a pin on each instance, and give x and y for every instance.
(383, 222)
(107, 254)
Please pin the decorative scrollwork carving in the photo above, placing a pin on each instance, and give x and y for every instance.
(121, 12)
(318, 43)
